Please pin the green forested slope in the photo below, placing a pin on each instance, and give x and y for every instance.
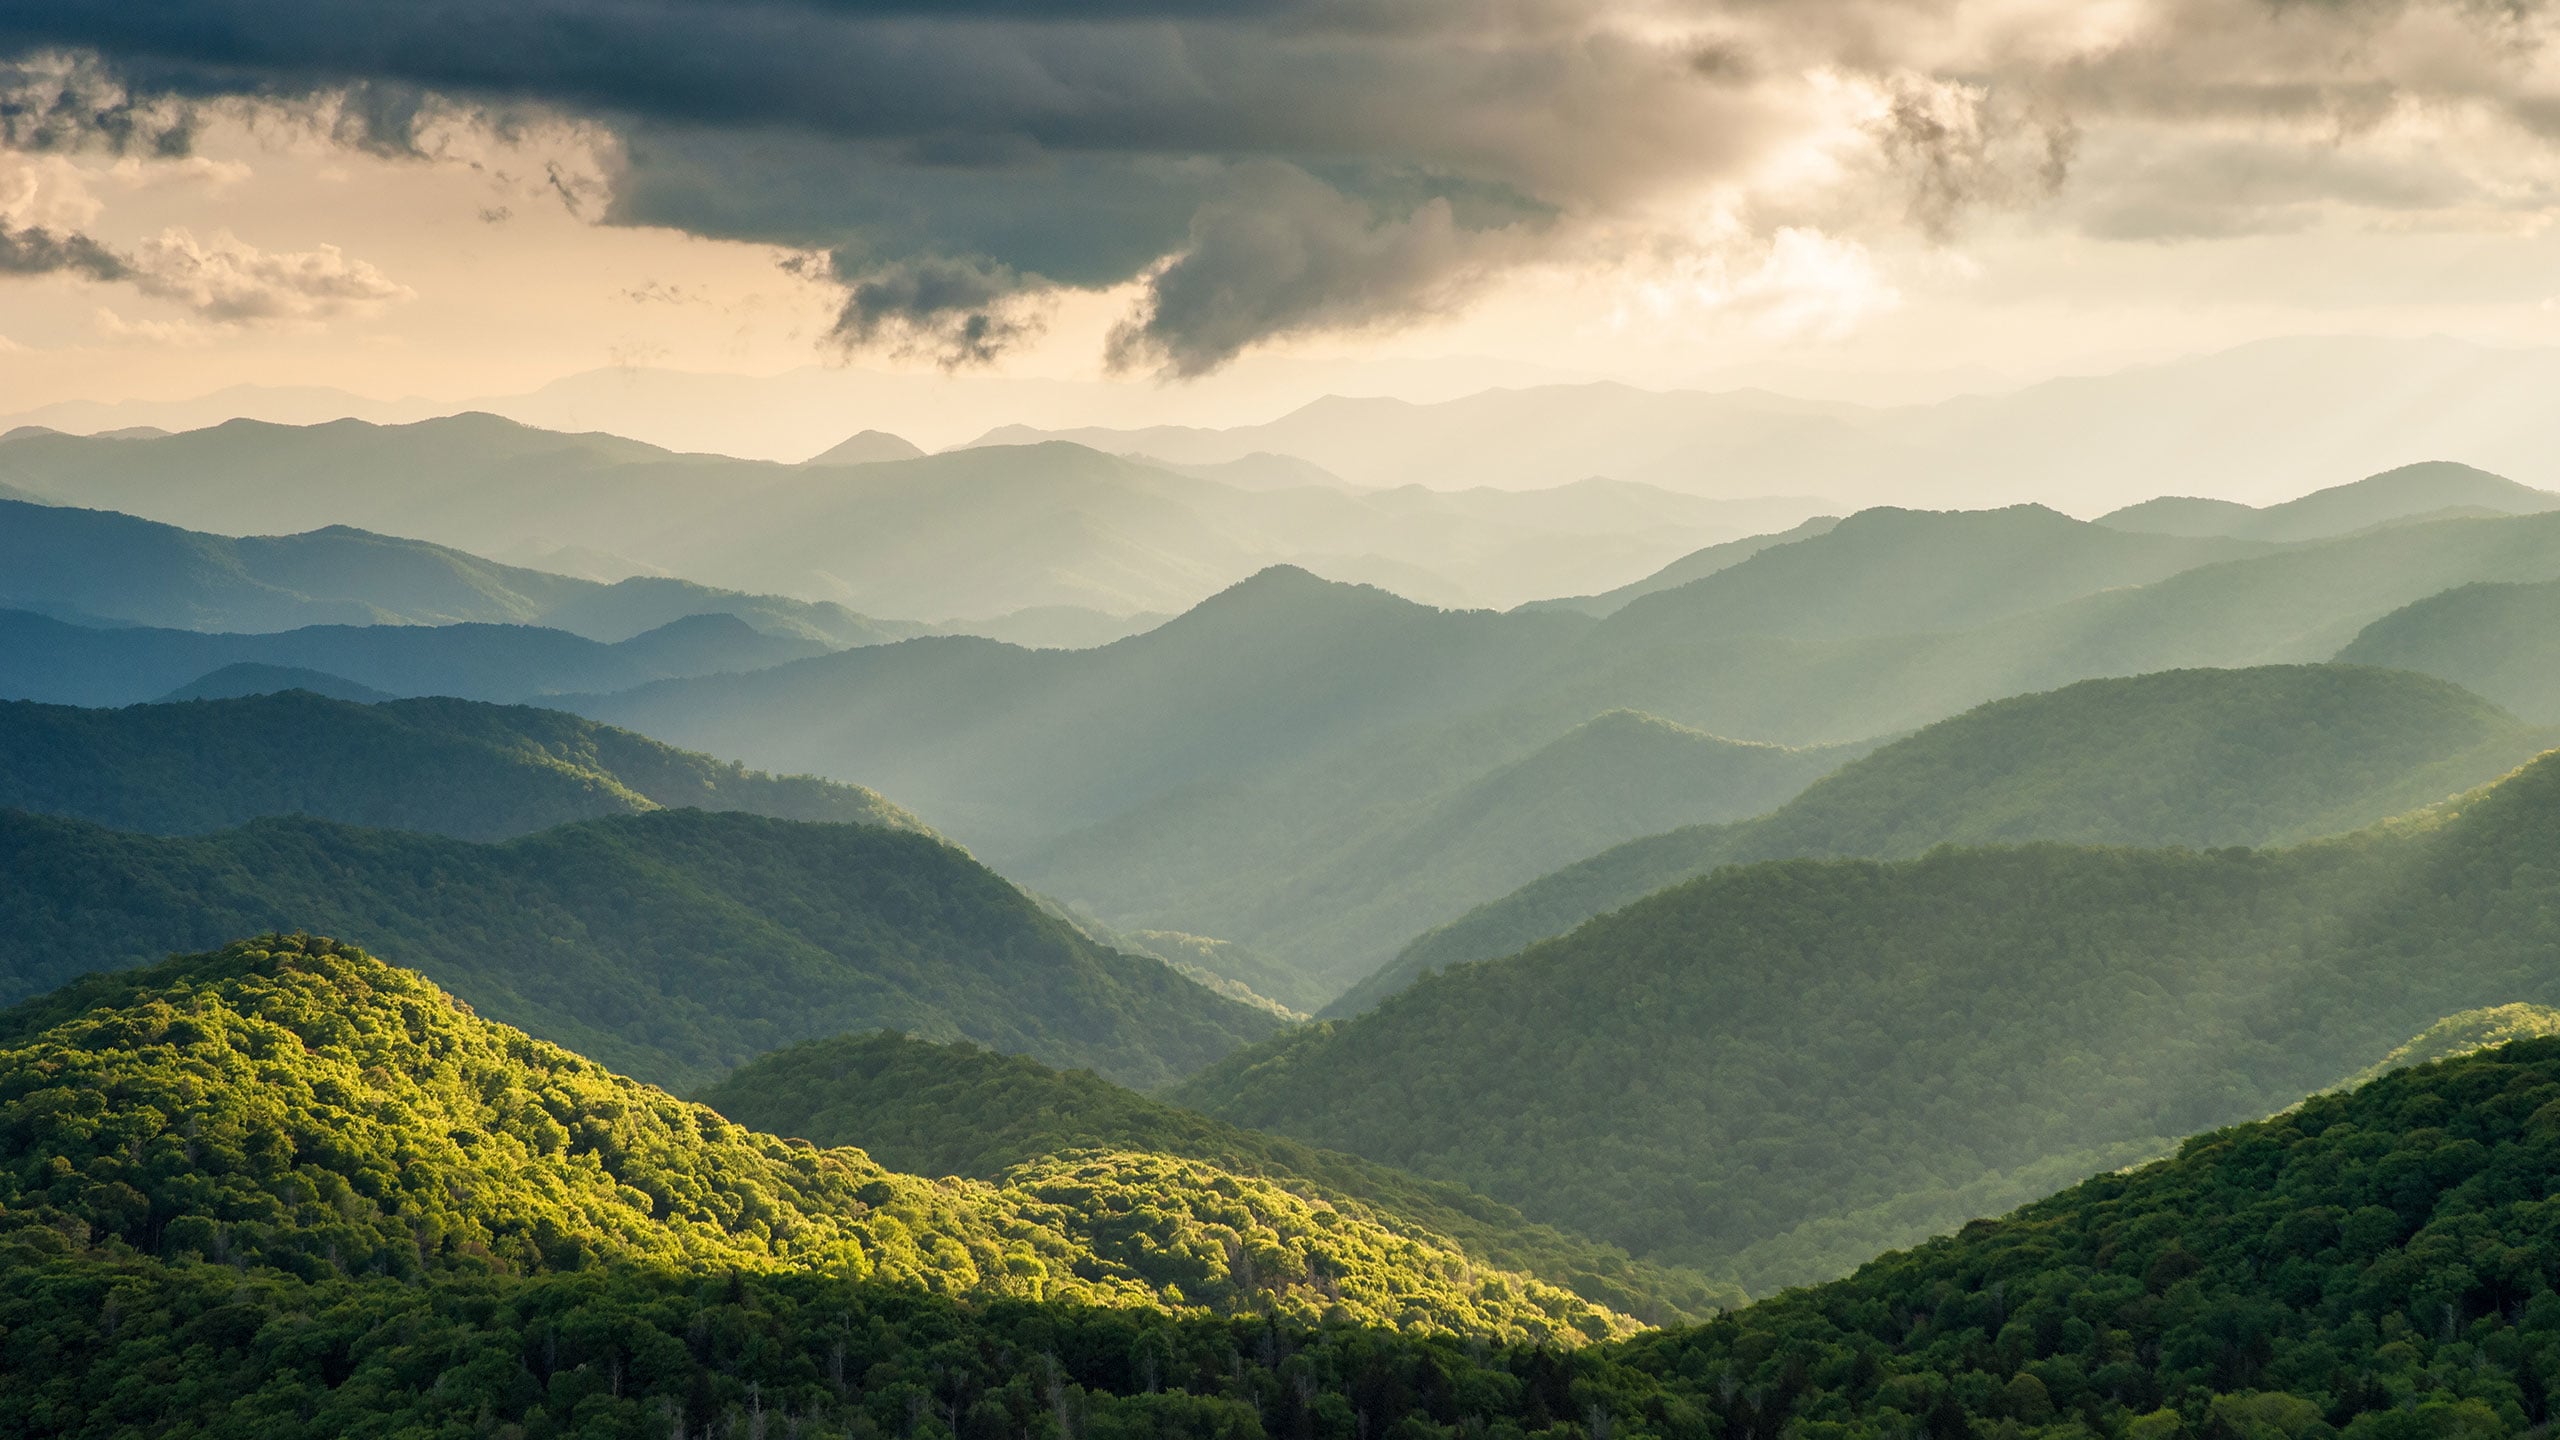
(2500, 640)
(1327, 873)
(956, 1110)
(451, 767)
(671, 945)
(250, 677)
(1784, 1066)
(2197, 757)
(295, 1106)
(2375, 1265)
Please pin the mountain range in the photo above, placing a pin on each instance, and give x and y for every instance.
(959, 536)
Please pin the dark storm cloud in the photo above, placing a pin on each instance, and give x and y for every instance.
(1269, 167)
(35, 250)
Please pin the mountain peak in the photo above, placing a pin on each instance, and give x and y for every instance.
(867, 447)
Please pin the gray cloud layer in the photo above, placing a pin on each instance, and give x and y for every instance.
(1272, 167)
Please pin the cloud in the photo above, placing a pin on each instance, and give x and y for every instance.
(228, 281)
(38, 251)
(1284, 254)
(1267, 168)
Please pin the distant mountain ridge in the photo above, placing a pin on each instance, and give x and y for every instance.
(447, 767)
(955, 536)
(2410, 492)
(50, 660)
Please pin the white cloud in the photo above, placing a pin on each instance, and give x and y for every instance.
(227, 280)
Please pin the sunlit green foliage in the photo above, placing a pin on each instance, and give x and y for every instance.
(293, 1105)
(2500, 640)
(671, 945)
(958, 1110)
(2373, 1266)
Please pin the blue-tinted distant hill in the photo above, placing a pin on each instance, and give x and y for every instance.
(98, 566)
(51, 660)
(249, 677)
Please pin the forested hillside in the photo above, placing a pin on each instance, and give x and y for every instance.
(1784, 1067)
(97, 566)
(1328, 873)
(671, 945)
(302, 1112)
(449, 767)
(64, 664)
(957, 1110)
(2373, 1264)
(2200, 758)
(2500, 640)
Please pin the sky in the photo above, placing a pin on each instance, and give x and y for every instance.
(1204, 212)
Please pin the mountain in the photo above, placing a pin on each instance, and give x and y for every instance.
(1696, 565)
(673, 945)
(866, 447)
(957, 1110)
(247, 677)
(1328, 874)
(2463, 1034)
(304, 1111)
(448, 767)
(2259, 422)
(2373, 1265)
(969, 534)
(94, 566)
(1007, 747)
(2500, 640)
(2432, 488)
(46, 659)
(2198, 758)
(1778, 1069)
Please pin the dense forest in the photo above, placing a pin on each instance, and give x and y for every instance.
(960, 1110)
(448, 767)
(1782, 1068)
(2185, 757)
(2375, 1265)
(671, 945)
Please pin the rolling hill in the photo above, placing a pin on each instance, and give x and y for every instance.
(1781, 1068)
(2425, 490)
(957, 1110)
(2198, 758)
(97, 566)
(305, 1110)
(50, 660)
(673, 945)
(2270, 1280)
(2500, 640)
(448, 767)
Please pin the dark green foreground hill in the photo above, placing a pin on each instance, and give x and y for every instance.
(2201, 758)
(450, 767)
(671, 945)
(1780, 1068)
(269, 1238)
(958, 1110)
